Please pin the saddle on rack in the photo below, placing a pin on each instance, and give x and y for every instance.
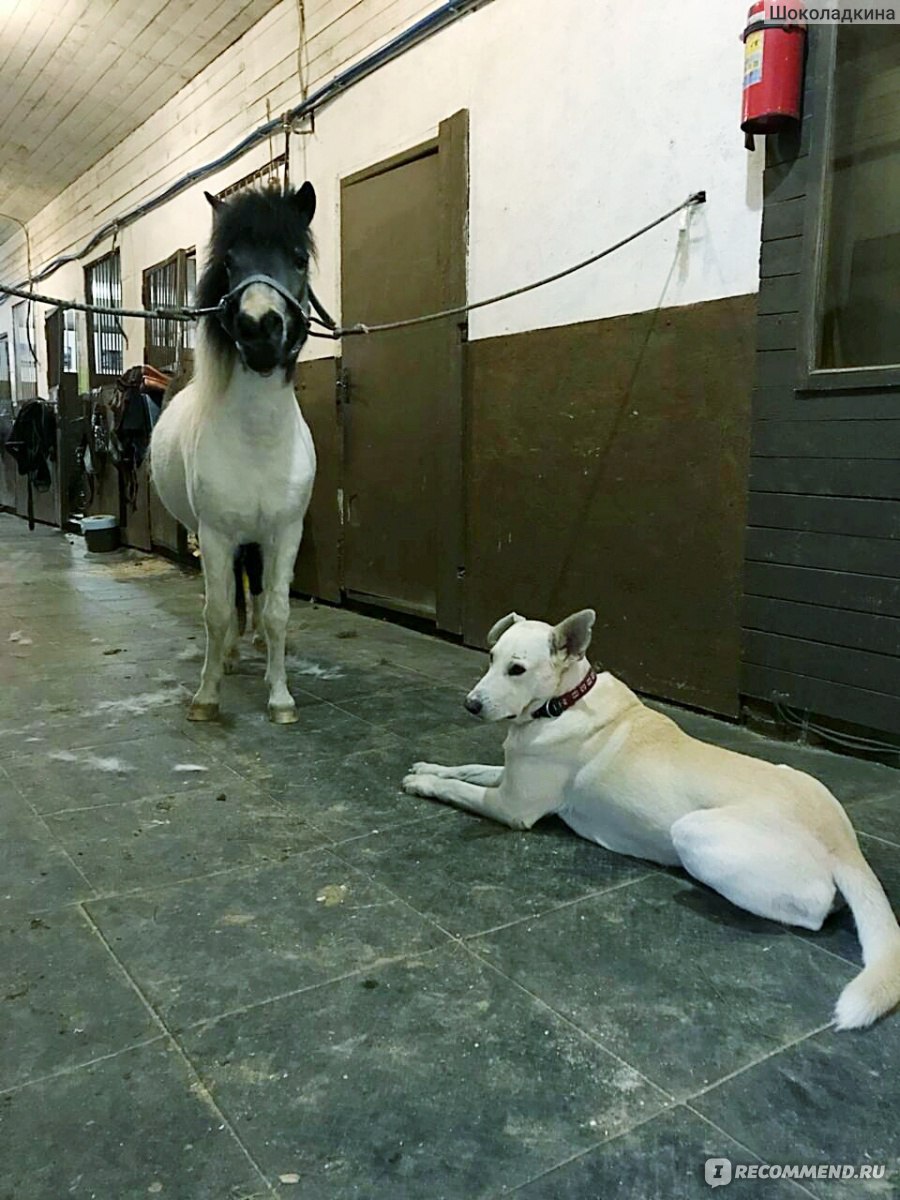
(135, 411)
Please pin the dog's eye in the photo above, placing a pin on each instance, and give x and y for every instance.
(516, 669)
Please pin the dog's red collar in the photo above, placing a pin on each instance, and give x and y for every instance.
(558, 704)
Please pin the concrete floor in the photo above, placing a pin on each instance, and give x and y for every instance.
(236, 961)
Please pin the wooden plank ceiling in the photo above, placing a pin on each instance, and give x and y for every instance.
(77, 76)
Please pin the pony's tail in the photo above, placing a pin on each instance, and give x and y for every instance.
(876, 990)
(247, 560)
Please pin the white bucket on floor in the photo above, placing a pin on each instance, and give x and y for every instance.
(101, 532)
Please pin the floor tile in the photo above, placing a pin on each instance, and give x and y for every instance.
(180, 835)
(63, 1000)
(205, 948)
(470, 875)
(277, 757)
(409, 711)
(131, 1126)
(670, 976)
(664, 1158)
(35, 872)
(356, 793)
(470, 742)
(832, 1099)
(879, 815)
(343, 680)
(433, 1077)
(115, 772)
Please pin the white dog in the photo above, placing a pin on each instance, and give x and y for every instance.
(770, 839)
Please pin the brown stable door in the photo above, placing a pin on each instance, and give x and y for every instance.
(402, 503)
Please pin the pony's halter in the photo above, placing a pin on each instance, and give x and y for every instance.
(226, 309)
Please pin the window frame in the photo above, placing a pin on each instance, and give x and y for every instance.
(813, 378)
(95, 372)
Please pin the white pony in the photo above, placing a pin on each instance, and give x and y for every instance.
(232, 457)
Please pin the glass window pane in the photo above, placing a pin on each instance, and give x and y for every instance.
(859, 323)
(23, 344)
(5, 385)
(70, 342)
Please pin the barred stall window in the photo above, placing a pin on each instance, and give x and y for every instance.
(103, 285)
(23, 352)
(172, 283)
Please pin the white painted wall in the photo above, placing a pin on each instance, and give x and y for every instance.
(584, 125)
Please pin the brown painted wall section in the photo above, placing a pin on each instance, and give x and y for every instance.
(317, 570)
(607, 467)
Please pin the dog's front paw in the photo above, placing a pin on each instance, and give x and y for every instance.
(425, 768)
(420, 785)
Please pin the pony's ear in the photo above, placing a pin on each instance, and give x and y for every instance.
(214, 201)
(305, 200)
(572, 636)
(497, 631)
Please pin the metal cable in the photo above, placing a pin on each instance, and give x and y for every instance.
(339, 332)
(163, 313)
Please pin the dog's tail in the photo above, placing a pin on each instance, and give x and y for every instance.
(247, 559)
(876, 990)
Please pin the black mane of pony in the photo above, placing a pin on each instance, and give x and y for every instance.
(256, 217)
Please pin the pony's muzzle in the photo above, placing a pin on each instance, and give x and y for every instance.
(267, 324)
(260, 340)
(267, 328)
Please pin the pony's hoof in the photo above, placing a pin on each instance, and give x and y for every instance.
(203, 712)
(283, 714)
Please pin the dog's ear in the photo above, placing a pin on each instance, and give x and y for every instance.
(497, 631)
(572, 636)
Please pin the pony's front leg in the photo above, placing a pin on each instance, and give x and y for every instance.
(217, 554)
(279, 557)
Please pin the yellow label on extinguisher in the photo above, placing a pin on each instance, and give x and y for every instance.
(753, 59)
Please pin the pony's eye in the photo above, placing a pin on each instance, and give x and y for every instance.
(516, 669)
(301, 258)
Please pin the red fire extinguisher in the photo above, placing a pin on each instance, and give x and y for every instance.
(773, 66)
